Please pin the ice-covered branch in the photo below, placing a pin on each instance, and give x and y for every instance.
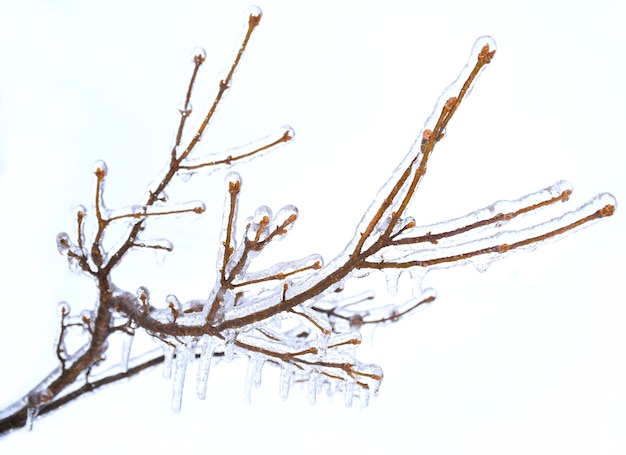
(462, 244)
(293, 314)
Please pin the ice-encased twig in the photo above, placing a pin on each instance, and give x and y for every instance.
(420, 251)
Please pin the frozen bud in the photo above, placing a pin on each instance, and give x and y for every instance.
(64, 244)
(262, 216)
(100, 168)
(174, 306)
(173, 302)
(86, 317)
(408, 222)
(285, 218)
(289, 133)
(233, 182)
(143, 298)
(64, 309)
(356, 322)
(485, 47)
(81, 211)
(198, 55)
(200, 208)
(258, 225)
(254, 15)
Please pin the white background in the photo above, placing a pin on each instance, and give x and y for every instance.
(526, 358)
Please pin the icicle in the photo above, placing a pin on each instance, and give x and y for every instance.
(392, 276)
(348, 392)
(34, 401)
(258, 370)
(248, 384)
(482, 263)
(286, 375)
(321, 343)
(127, 344)
(229, 348)
(364, 394)
(182, 356)
(31, 414)
(168, 353)
(253, 375)
(312, 387)
(417, 276)
(206, 355)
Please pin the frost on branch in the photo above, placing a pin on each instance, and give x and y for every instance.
(294, 315)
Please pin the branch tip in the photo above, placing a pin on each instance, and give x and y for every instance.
(234, 187)
(486, 55)
(607, 210)
(254, 20)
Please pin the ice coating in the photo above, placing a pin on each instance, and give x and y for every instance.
(254, 11)
(318, 320)
(306, 266)
(495, 244)
(208, 345)
(455, 87)
(300, 314)
(64, 243)
(259, 227)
